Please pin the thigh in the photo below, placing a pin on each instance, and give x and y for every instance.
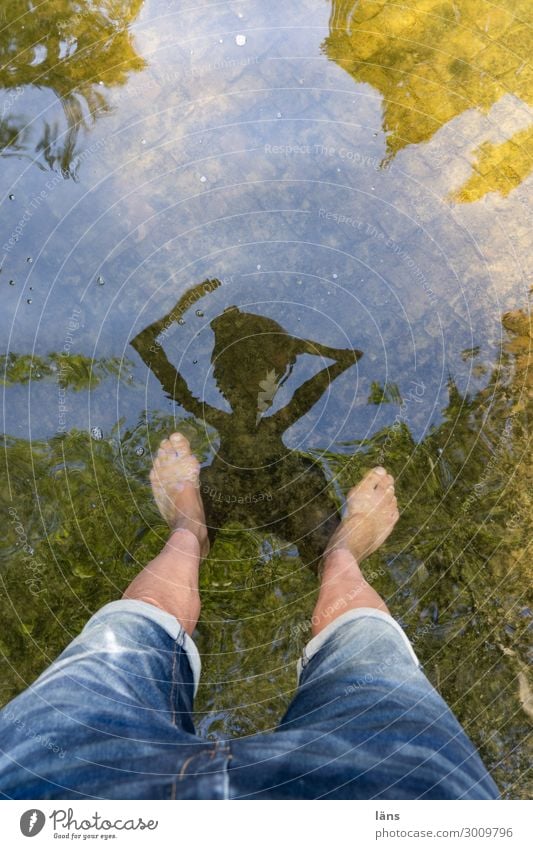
(365, 723)
(113, 711)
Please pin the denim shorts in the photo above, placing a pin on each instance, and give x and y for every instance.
(111, 718)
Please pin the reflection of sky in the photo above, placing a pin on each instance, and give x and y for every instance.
(220, 158)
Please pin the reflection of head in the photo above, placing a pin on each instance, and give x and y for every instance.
(249, 350)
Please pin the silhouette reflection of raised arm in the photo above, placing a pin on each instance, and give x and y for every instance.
(151, 351)
(307, 395)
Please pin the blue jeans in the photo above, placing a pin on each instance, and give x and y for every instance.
(111, 718)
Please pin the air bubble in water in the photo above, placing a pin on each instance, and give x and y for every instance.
(11, 282)
(28, 301)
(199, 313)
(240, 40)
(100, 280)
(334, 276)
(11, 197)
(139, 451)
(203, 179)
(258, 267)
(97, 433)
(181, 321)
(29, 259)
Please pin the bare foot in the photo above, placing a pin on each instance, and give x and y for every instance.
(371, 513)
(175, 485)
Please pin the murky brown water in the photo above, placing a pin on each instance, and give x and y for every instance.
(301, 233)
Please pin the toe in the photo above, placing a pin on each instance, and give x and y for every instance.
(178, 439)
(377, 487)
(380, 474)
(377, 478)
(380, 477)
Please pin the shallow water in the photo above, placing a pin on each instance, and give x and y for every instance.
(350, 178)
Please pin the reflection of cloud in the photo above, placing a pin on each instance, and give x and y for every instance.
(432, 65)
(75, 49)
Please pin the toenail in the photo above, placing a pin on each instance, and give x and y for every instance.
(379, 470)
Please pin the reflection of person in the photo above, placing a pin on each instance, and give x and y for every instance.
(365, 722)
(252, 358)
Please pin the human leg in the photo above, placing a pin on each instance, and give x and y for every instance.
(170, 581)
(365, 721)
(371, 513)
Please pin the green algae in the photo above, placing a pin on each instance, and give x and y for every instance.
(73, 371)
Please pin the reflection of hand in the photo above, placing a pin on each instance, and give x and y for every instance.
(146, 338)
(348, 356)
(191, 296)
